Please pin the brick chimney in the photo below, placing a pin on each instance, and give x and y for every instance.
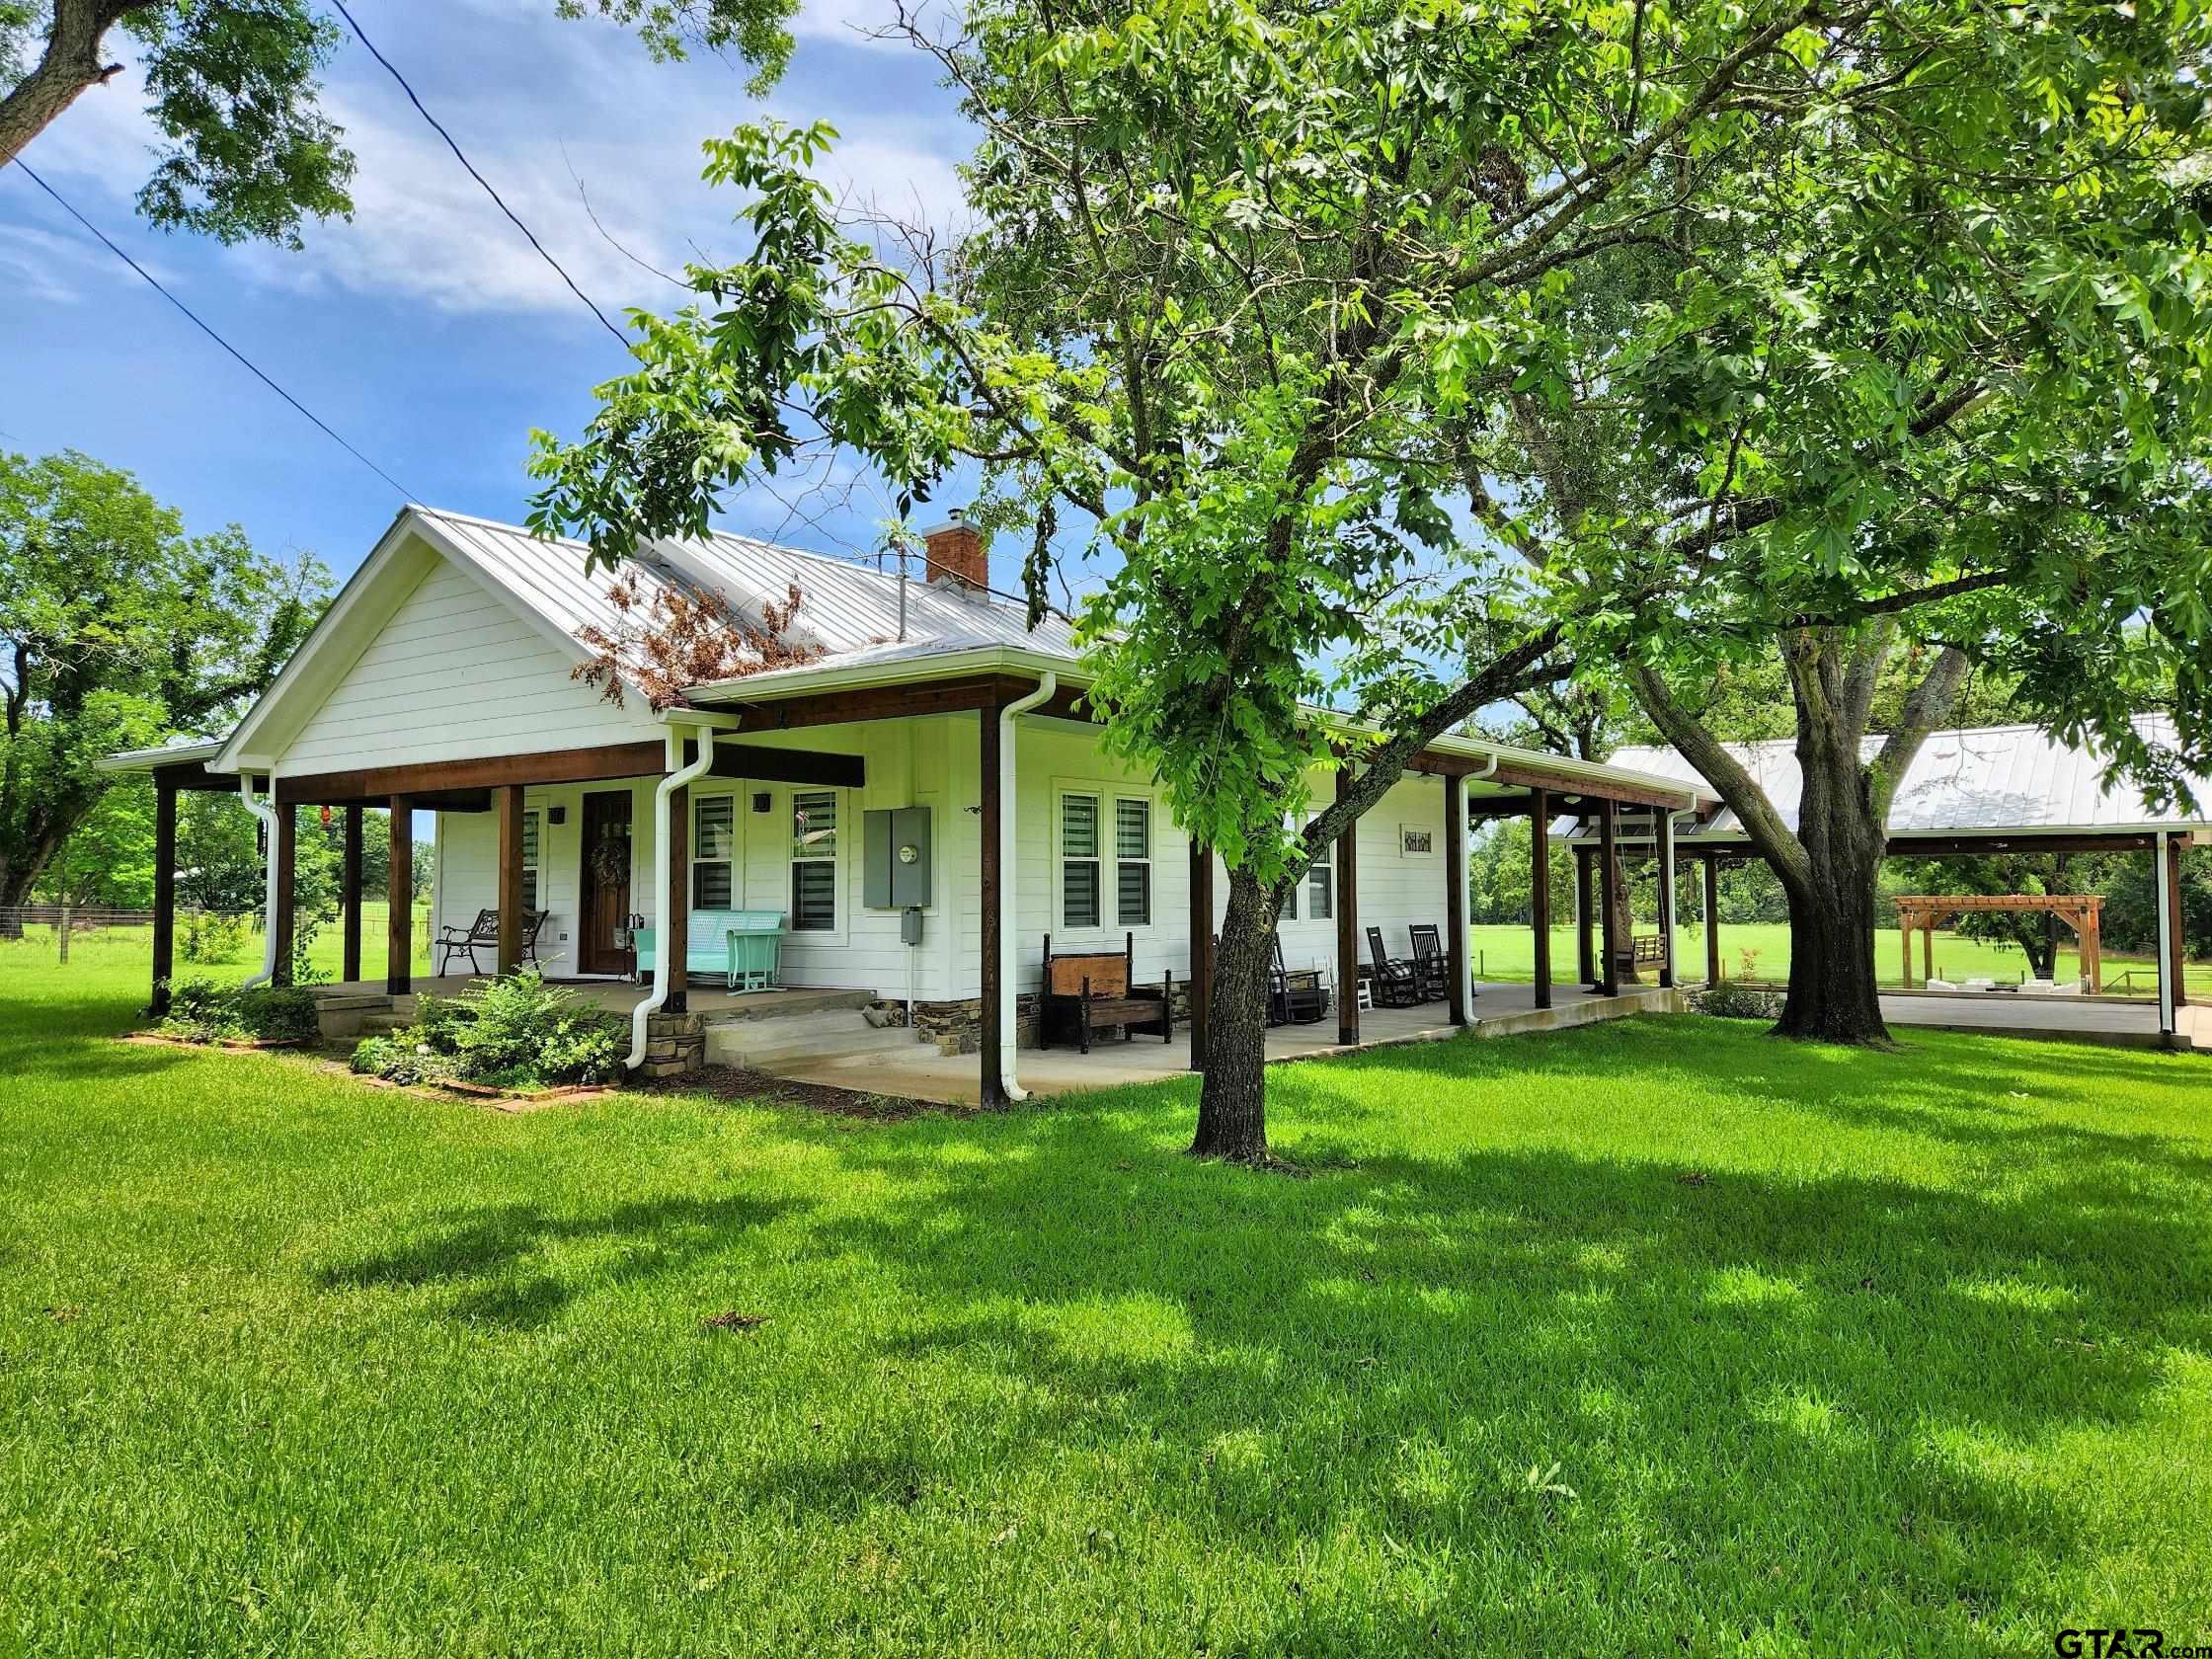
(956, 554)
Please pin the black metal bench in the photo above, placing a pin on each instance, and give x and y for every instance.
(484, 934)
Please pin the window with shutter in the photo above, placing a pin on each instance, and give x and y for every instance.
(529, 861)
(1133, 862)
(1079, 861)
(814, 861)
(714, 838)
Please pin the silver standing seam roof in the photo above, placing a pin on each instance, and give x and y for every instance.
(1965, 780)
(848, 612)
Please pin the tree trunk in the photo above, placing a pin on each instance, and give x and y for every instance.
(1840, 824)
(69, 64)
(1832, 987)
(14, 891)
(1624, 925)
(1232, 1100)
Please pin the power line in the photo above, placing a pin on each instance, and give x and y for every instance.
(478, 176)
(251, 368)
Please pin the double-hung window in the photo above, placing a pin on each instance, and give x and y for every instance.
(714, 840)
(1132, 861)
(814, 861)
(1085, 856)
(1320, 890)
(1080, 878)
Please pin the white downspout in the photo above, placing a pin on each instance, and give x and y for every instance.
(265, 811)
(1459, 786)
(2162, 850)
(640, 1017)
(1008, 867)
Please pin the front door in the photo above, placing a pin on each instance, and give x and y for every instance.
(605, 886)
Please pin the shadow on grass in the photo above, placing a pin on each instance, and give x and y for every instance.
(1780, 1401)
(502, 1260)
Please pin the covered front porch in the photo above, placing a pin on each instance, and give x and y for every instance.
(1500, 1010)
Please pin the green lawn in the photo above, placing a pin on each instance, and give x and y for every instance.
(1507, 952)
(1810, 1353)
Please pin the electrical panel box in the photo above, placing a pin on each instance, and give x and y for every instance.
(894, 861)
(910, 926)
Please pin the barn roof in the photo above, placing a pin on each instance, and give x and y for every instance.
(1964, 781)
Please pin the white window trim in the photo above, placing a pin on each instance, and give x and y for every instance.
(1109, 892)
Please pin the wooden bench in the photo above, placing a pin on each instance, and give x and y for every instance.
(1085, 992)
(1645, 950)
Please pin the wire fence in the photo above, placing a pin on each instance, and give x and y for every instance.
(204, 937)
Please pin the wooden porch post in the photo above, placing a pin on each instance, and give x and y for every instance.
(676, 891)
(398, 893)
(165, 894)
(1712, 918)
(349, 899)
(993, 1088)
(1666, 899)
(1609, 877)
(1347, 922)
(511, 878)
(1201, 946)
(1927, 950)
(284, 922)
(1455, 898)
(1905, 937)
(1540, 891)
(2093, 949)
(1585, 959)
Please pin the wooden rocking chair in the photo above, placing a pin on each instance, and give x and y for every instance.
(1396, 983)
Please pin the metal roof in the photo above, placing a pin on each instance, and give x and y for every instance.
(1965, 780)
(168, 753)
(848, 611)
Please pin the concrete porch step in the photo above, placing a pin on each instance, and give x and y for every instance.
(766, 1005)
(765, 1044)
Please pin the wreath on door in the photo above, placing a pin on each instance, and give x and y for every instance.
(610, 862)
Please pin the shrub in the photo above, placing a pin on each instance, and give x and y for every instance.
(210, 937)
(1731, 1000)
(516, 1031)
(207, 1012)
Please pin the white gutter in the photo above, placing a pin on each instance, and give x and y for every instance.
(1009, 864)
(671, 949)
(265, 811)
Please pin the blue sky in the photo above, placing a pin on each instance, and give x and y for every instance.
(426, 331)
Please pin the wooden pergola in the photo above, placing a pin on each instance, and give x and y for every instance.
(1924, 913)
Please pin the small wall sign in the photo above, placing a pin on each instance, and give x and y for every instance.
(1415, 841)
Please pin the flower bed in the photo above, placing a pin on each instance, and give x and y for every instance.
(515, 1035)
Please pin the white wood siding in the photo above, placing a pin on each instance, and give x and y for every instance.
(458, 673)
(934, 762)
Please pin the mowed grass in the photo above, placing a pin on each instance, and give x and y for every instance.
(1506, 951)
(1656, 1337)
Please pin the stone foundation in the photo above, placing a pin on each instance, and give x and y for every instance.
(956, 1027)
(674, 1043)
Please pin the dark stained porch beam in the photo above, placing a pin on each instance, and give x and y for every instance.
(464, 785)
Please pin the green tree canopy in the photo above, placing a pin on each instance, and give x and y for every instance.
(233, 89)
(119, 630)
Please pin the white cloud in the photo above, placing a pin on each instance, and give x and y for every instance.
(425, 232)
